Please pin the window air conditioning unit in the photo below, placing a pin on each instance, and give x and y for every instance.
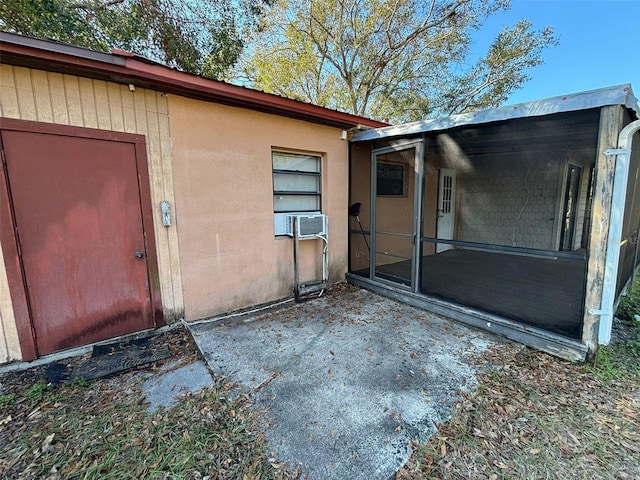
(309, 225)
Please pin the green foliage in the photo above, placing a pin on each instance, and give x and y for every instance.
(198, 36)
(621, 358)
(79, 382)
(629, 306)
(37, 392)
(605, 366)
(401, 59)
(8, 399)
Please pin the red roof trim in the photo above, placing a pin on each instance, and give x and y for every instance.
(228, 93)
(124, 67)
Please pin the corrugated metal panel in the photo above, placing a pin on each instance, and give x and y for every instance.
(618, 95)
(30, 94)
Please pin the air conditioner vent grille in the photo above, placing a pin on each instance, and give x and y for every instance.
(309, 226)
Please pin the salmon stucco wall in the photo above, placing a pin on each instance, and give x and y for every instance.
(360, 192)
(30, 94)
(222, 168)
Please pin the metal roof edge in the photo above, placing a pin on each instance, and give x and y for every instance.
(122, 67)
(60, 47)
(236, 95)
(615, 95)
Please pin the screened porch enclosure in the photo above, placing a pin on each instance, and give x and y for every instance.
(492, 217)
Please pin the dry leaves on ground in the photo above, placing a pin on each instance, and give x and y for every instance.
(538, 417)
(102, 429)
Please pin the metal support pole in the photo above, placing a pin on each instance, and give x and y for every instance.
(296, 260)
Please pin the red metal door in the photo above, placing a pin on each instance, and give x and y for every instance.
(77, 210)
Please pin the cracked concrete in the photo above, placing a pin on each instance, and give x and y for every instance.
(347, 380)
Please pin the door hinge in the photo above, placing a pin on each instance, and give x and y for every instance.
(4, 159)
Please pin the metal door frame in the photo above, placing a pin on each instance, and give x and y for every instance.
(9, 238)
(418, 145)
(575, 205)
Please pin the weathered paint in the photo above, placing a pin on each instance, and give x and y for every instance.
(121, 66)
(611, 122)
(557, 345)
(30, 94)
(76, 205)
(224, 204)
(9, 341)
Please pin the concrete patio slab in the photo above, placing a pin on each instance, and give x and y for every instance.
(347, 380)
(162, 388)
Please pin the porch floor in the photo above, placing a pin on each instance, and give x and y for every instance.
(542, 292)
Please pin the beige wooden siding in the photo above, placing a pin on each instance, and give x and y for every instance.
(30, 94)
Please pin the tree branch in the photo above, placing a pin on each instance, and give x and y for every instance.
(96, 6)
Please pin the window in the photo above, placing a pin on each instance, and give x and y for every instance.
(296, 183)
(390, 179)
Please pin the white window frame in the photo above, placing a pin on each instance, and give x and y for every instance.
(282, 216)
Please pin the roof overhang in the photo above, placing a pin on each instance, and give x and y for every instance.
(618, 95)
(126, 68)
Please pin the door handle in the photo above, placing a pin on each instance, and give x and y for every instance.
(139, 254)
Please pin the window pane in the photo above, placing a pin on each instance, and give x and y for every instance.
(296, 203)
(390, 179)
(291, 182)
(299, 163)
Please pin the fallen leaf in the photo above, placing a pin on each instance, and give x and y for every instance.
(46, 443)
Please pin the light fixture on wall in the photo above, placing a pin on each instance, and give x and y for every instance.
(343, 135)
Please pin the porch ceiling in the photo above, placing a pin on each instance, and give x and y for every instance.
(577, 131)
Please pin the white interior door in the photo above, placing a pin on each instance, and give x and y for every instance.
(446, 207)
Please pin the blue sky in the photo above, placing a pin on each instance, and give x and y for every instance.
(599, 45)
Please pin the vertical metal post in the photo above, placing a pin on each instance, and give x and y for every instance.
(417, 213)
(296, 260)
(372, 214)
(325, 255)
(612, 257)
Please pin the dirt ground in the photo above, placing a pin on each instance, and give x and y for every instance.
(531, 416)
(536, 416)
